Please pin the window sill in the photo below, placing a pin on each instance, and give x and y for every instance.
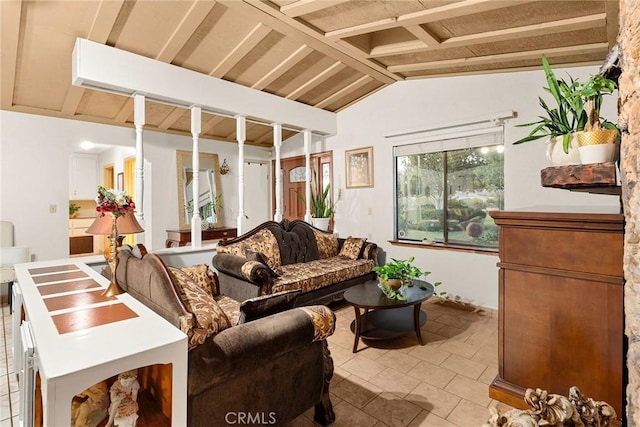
(445, 246)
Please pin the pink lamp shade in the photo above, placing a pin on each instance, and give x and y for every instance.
(127, 224)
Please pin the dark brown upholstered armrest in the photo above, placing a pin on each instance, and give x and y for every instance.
(233, 351)
(241, 268)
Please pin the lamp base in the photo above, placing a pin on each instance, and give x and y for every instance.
(113, 289)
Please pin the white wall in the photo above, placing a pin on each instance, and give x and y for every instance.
(423, 104)
(34, 173)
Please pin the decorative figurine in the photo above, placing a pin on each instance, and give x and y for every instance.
(90, 407)
(123, 411)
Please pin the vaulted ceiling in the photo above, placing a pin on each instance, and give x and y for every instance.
(325, 53)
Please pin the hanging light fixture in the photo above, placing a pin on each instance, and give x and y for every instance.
(224, 168)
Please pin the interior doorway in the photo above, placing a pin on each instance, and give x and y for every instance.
(257, 205)
(293, 181)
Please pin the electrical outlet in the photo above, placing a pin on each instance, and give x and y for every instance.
(53, 209)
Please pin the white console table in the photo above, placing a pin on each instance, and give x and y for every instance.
(80, 338)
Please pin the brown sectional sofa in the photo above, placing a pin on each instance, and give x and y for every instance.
(293, 255)
(267, 369)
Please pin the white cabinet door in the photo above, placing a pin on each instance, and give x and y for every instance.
(83, 178)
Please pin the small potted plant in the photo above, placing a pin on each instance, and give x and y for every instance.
(73, 210)
(321, 206)
(396, 274)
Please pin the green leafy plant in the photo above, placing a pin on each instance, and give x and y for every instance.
(591, 93)
(321, 205)
(73, 208)
(405, 271)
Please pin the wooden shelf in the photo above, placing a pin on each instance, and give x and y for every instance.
(597, 178)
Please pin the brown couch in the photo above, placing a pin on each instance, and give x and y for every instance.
(271, 369)
(293, 255)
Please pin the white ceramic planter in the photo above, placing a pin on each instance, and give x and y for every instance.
(599, 153)
(556, 154)
(321, 223)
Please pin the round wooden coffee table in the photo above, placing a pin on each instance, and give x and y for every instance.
(385, 318)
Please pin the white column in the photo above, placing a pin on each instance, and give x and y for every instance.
(196, 221)
(138, 197)
(241, 136)
(277, 143)
(307, 184)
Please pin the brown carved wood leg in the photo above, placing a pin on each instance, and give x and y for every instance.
(416, 322)
(323, 413)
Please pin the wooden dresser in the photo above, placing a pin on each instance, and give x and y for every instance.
(183, 237)
(561, 303)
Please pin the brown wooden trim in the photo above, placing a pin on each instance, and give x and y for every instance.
(445, 246)
(588, 221)
(88, 318)
(75, 285)
(615, 280)
(54, 269)
(508, 393)
(76, 300)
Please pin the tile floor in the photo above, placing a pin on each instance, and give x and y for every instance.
(386, 383)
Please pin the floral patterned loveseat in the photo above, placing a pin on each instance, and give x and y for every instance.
(293, 255)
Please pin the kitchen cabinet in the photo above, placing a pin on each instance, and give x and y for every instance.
(83, 177)
(82, 243)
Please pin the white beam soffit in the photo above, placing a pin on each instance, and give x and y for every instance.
(100, 67)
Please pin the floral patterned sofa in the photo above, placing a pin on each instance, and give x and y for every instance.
(251, 358)
(293, 255)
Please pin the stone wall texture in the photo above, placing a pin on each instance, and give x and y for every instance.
(629, 123)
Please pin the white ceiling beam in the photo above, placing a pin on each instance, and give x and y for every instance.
(109, 69)
(489, 59)
(283, 67)
(303, 7)
(251, 40)
(316, 80)
(344, 91)
(552, 27)
(10, 21)
(101, 27)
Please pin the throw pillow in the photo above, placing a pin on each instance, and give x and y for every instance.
(259, 257)
(266, 305)
(209, 319)
(203, 276)
(351, 247)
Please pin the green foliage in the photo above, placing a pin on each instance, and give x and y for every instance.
(321, 205)
(577, 107)
(399, 269)
(73, 208)
(207, 210)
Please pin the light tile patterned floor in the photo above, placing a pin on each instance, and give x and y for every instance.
(386, 383)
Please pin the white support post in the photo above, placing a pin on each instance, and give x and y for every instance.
(307, 172)
(138, 198)
(196, 221)
(241, 135)
(277, 143)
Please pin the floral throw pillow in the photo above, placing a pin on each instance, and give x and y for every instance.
(209, 319)
(352, 247)
(203, 276)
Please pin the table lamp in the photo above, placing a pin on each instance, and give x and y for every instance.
(114, 227)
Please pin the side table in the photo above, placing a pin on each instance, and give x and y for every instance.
(182, 237)
(385, 318)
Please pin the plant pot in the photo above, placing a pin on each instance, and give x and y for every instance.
(320, 223)
(556, 154)
(598, 146)
(394, 284)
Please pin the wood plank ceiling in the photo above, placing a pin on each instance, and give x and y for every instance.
(325, 53)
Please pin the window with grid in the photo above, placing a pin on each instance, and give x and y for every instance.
(446, 185)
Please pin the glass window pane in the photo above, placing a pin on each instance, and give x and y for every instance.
(475, 185)
(420, 197)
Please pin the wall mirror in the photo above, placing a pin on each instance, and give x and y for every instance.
(210, 196)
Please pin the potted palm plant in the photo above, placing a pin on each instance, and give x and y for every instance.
(321, 205)
(598, 142)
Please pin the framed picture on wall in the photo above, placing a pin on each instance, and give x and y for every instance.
(359, 167)
(120, 181)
